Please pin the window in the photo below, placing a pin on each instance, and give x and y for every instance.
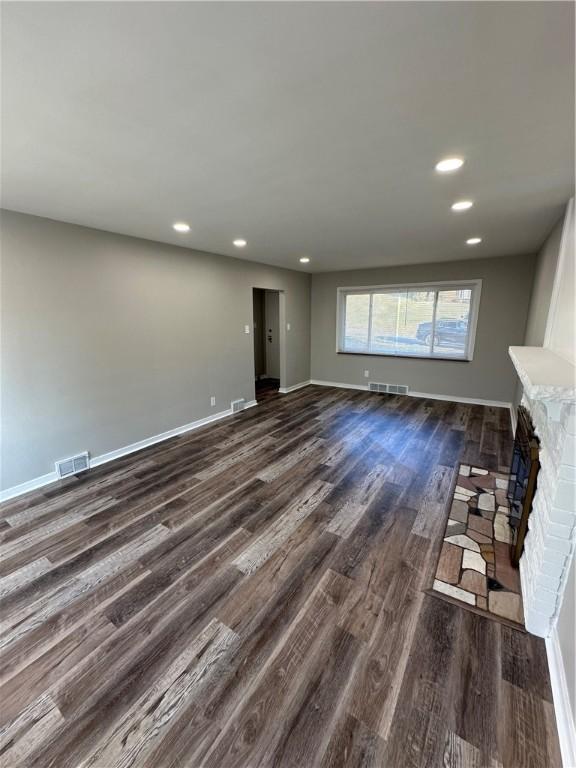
(421, 320)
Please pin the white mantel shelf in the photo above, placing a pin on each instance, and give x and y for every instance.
(544, 374)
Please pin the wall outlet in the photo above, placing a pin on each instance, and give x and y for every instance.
(366, 374)
(212, 400)
(246, 329)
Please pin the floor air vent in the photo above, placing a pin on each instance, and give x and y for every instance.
(73, 465)
(238, 405)
(391, 389)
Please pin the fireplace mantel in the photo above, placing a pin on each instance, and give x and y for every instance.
(545, 377)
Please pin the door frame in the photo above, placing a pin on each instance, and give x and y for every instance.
(281, 334)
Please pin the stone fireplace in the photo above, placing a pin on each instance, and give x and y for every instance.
(549, 396)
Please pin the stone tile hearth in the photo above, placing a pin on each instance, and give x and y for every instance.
(474, 566)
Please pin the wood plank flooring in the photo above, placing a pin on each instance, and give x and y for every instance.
(252, 594)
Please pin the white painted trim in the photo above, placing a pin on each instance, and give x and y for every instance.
(339, 384)
(426, 395)
(29, 485)
(459, 399)
(282, 336)
(513, 418)
(119, 452)
(51, 477)
(96, 461)
(293, 388)
(564, 715)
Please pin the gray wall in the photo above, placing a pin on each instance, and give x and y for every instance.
(544, 272)
(501, 322)
(542, 288)
(107, 339)
(562, 315)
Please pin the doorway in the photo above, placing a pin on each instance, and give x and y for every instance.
(267, 342)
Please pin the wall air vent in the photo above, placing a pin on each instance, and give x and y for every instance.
(74, 465)
(375, 386)
(398, 389)
(391, 389)
(237, 405)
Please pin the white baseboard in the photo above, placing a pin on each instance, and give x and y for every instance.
(459, 399)
(294, 387)
(133, 447)
(51, 477)
(29, 485)
(564, 715)
(426, 395)
(339, 384)
(104, 458)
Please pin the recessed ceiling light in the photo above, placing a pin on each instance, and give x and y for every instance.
(239, 243)
(304, 260)
(473, 240)
(449, 164)
(462, 205)
(181, 226)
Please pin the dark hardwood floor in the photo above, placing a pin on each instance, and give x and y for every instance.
(266, 388)
(251, 594)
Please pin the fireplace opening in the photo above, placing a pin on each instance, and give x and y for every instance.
(522, 484)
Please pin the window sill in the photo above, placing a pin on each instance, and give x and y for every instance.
(407, 357)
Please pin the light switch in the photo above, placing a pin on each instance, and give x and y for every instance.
(246, 329)
(366, 374)
(287, 326)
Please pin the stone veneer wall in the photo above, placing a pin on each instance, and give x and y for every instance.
(551, 540)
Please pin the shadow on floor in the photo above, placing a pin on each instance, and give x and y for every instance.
(266, 388)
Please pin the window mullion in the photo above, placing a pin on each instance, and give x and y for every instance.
(433, 334)
(370, 323)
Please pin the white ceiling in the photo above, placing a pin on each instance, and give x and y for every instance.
(307, 128)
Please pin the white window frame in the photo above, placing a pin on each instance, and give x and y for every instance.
(474, 285)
